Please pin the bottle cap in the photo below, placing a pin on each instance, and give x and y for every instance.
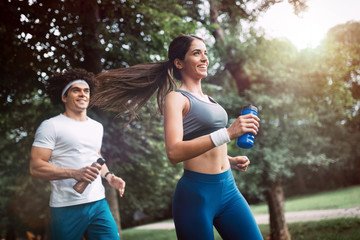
(100, 161)
(252, 107)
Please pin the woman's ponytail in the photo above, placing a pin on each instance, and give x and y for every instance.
(126, 90)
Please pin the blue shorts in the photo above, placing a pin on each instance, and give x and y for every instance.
(202, 201)
(94, 220)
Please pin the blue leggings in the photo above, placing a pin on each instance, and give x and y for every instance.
(202, 201)
(93, 219)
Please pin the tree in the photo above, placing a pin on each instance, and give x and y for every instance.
(343, 43)
(341, 53)
(43, 37)
(225, 21)
(234, 58)
(302, 111)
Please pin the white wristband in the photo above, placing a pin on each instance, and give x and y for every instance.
(220, 137)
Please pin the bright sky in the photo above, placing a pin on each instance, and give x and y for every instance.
(308, 29)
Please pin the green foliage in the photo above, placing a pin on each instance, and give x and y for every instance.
(24, 201)
(342, 45)
(302, 107)
(309, 116)
(42, 37)
(140, 31)
(341, 52)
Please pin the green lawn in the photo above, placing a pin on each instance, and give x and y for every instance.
(335, 229)
(343, 198)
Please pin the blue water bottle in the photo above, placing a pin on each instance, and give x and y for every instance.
(247, 140)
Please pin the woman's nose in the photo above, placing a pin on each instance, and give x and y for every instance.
(204, 57)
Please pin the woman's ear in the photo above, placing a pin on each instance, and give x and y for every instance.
(178, 63)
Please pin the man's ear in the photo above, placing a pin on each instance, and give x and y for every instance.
(63, 98)
(178, 63)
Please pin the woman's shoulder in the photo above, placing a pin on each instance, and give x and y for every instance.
(174, 95)
(175, 98)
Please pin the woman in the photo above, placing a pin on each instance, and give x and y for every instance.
(195, 134)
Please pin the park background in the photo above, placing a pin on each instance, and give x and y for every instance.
(308, 100)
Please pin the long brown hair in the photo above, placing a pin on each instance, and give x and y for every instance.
(126, 90)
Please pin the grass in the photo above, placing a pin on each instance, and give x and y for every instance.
(343, 198)
(336, 229)
(136, 234)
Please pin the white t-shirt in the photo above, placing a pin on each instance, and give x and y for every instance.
(74, 144)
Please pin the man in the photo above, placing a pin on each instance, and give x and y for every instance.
(63, 151)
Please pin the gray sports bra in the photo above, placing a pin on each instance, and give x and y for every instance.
(203, 117)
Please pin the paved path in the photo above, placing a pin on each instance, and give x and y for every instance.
(303, 216)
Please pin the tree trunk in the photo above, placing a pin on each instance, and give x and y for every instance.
(91, 24)
(112, 199)
(275, 199)
(47, 230)
(217, 32)
(234, 67)
(300, 181)
(241, 78)
(92, 52)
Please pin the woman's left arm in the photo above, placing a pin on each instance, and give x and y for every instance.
(239, 162)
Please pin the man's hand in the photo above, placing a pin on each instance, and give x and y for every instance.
(87, 174)
(116, 183)
(240, 163)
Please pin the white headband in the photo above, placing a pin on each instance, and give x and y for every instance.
(71, 83)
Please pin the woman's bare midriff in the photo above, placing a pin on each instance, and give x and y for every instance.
(213, 161)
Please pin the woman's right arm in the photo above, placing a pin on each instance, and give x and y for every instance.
(178, 150)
